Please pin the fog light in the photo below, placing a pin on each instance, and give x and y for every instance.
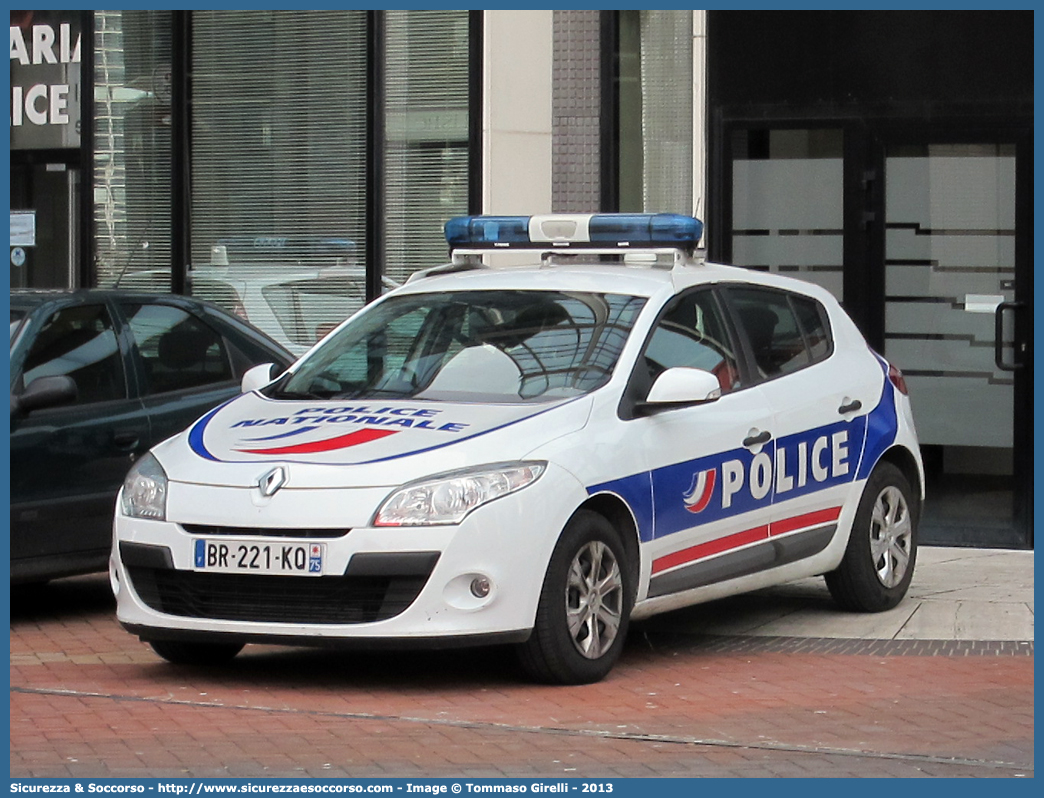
(480, 587)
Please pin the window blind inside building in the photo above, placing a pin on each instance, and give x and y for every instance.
(132, 148)
(278, 170)
(426, 135)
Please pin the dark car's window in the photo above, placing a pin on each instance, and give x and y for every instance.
(692, 333)
(17, 317)
(177, 349)
(779, 342)
(79, 342)
(492, 346)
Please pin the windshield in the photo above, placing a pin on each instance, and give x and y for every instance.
(488, 346)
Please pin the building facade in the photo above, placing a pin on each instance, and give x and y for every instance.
(293, 165)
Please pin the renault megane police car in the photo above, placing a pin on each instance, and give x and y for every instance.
(531, 455)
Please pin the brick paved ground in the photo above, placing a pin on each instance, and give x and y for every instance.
(89, 700)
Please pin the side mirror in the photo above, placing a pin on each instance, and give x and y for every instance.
(257, 377)
(681, 386)
(45, 392)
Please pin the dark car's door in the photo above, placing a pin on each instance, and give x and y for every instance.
(67, 462)
(184, 364)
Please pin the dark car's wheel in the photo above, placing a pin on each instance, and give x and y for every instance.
(181, 652)
(585, 605)
(882, 549)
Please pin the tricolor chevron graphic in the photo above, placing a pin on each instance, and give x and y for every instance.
(699, 495)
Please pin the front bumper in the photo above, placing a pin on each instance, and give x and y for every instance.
(381, 586)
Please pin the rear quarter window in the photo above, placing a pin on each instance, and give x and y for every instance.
(785, 332)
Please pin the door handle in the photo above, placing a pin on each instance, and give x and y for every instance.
(851, 407)
(126, 440)
(998, 336)
(756, 440)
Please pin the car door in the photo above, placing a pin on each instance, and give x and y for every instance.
(67, 462)
(820, 393)
(707, 462)
(184, 365)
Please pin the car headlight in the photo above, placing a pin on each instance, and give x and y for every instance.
(145, 490)
(448, 498)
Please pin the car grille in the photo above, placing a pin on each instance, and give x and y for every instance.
(276, 599)
(248, 532)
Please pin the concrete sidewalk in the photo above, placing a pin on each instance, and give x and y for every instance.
(957, 594)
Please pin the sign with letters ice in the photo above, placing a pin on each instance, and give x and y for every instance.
(45, 80)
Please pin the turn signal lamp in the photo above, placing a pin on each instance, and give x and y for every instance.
(581, 231)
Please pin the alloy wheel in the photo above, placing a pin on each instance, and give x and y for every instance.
(891, 534)
(594, 599)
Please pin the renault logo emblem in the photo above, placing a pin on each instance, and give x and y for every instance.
(272, 481)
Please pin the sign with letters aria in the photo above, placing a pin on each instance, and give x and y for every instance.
(45, 80)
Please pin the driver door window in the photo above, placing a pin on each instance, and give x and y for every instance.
(693, 334)
(79, 342)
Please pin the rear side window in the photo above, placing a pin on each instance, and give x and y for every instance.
(812, 317)
(177, 350)
(785, 332)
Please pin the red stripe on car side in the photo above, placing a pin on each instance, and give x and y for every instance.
(817, 518)
(703, 550)
(711, 547)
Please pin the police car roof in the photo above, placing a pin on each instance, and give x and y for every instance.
(592, 277)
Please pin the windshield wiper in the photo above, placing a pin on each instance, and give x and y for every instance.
(301, 395)
(372, 393)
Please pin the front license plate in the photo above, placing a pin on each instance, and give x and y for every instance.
(249, 556)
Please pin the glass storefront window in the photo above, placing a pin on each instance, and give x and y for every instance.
(655, 120)
(788, 204)
(279, 149)
(426, 100)
(282, 151)
(132, 148)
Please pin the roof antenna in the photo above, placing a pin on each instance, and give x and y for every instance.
(703, 230)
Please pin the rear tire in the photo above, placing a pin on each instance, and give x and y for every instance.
(585, 605)
(882, 548)
(181, 652)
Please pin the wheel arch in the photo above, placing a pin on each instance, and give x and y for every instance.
(903, 459)
(617, 512)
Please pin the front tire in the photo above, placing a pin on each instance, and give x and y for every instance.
(181, 652)
(585, 605)
(882, 548)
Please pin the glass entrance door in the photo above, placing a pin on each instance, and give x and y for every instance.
(44, 225)
(950, 284)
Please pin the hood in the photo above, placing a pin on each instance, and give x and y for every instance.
(359, 443)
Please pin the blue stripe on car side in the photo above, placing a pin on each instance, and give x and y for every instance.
(882, 425)
(636, 492)
(656, 497)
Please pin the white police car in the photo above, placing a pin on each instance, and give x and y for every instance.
(531, 455)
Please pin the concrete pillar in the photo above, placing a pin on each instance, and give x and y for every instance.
(516, 121)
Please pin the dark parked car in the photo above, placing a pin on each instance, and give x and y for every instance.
(97, 379)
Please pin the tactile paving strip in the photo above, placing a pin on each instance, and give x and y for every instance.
(884, 648)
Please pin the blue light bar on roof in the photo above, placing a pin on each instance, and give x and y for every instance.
(575, 231)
